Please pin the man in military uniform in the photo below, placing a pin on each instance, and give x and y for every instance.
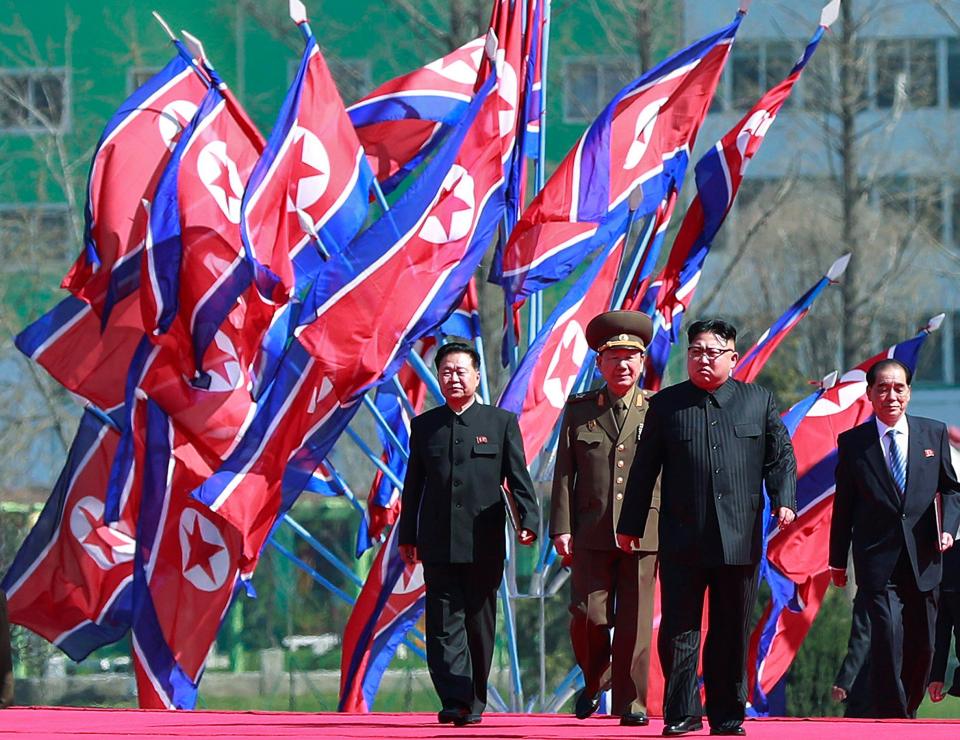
(609, 587)
(452, 519)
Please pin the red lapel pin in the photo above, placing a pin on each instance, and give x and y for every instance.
(481, 440)
(928, 453)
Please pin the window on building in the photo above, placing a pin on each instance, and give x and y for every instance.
(33, 100)
(138, 76)
(352, 77)
(906, 68)
(953, 72)
(917, 202)
(34, 233)
(589, 84)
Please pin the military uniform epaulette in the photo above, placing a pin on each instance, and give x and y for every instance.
(585, 396)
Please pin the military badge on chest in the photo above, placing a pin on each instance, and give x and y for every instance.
(591, 424)
(639, 429)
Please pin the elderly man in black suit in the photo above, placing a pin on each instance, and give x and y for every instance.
(889, 471)
(453, 518)
(717, 442)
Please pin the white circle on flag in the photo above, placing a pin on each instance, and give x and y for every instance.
(508, 90)
(310, 189)
(755, 127)
(204, 557)
(219, 175)
(452, 216)
(571, 351)
(642, 133)
(173, 119)
(107, 546)
(462, 71)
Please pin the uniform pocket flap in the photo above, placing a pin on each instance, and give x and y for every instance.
(484, 448)
(746, 430)
(589, 438)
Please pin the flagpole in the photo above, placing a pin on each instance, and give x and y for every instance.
(385, 427)
(421, 369)
(402, 394)
(321, 550)
(365, 448)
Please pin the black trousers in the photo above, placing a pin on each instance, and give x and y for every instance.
(733, 591)
(902, 623)
(461, 617)
(948, 625)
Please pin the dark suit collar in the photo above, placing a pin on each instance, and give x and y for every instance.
(721, 395)
(469, 414)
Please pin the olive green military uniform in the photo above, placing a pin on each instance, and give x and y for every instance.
(609, 588)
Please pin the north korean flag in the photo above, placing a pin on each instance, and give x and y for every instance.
(313, 169)
(753, 360)
(186, 569)
(401, 279)
(539, 388)
(198, 282)
(133, 151)
(641, 139)
(71, 580)
(390, 603)
(719, 174)
(403, 120)
(84, 356)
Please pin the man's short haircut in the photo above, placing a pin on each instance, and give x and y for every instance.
(723, 329)
(881, 365)
(454, 347)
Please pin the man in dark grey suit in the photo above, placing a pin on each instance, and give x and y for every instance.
(717, 442)
(453, 518)
(889, 470)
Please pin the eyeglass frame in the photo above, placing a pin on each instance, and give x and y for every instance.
(711, 353)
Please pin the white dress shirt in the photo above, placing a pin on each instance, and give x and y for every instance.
(903, 437)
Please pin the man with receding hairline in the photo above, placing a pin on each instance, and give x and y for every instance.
(889, 470)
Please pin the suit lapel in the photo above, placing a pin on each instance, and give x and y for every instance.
(633, 416)
(915, 459)
(606, 419)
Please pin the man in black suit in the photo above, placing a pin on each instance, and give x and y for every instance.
(948, 626)
(717, 442)
(452, 519)
(852, 684)
(889, 470)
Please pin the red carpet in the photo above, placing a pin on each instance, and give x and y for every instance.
(39, 722)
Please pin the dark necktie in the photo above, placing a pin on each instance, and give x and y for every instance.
(898, 463)
(620, 412)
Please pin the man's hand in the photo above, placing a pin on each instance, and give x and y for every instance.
(563, 543)
(627, 543)
(838, 694)
(936, 691)
(526, 536)
(785, 517)
(408, 553)
(946, 541)
(839, 577)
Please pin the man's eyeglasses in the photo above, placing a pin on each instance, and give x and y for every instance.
(711, 353)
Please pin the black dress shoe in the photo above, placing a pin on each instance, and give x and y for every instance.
(682, 727)
(586, 704)
(732, 729)
(468, 719)
(447, 715)
(634, 719)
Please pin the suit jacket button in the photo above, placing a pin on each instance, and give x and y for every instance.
(619, 479)
(456, 481)
(619, 496)
(459, 505)
(456, 441)
(620, 448)
(619, 463)
(903, 516)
